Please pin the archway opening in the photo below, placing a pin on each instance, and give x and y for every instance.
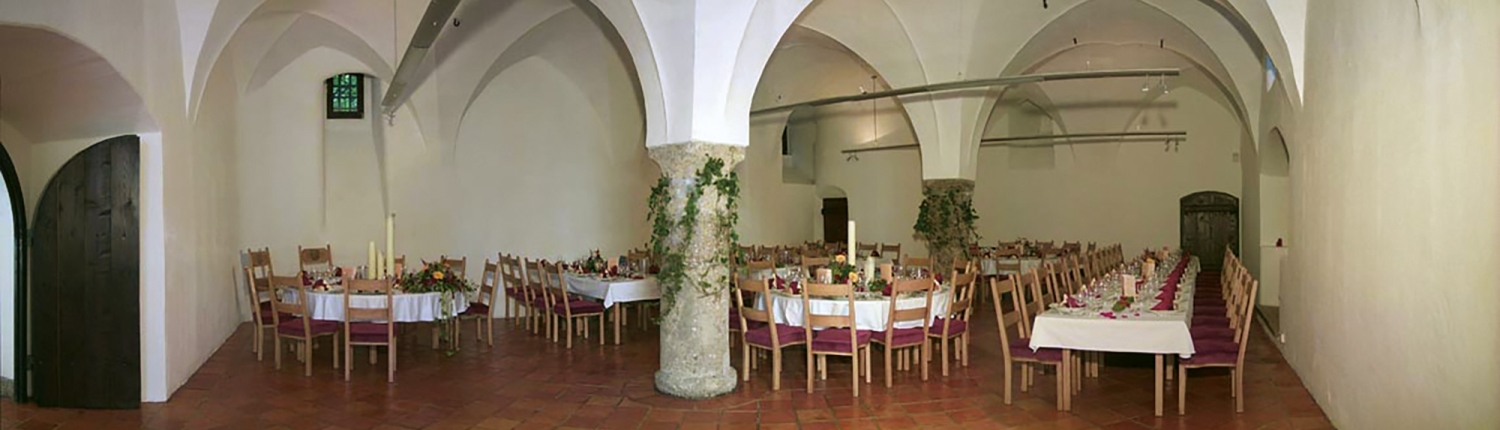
(1275, 224)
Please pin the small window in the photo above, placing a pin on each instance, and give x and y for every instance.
(346, 96)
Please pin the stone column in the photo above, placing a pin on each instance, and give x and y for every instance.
(943, 258)
(694, 331)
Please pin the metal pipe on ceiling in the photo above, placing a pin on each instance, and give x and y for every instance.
(433, 20)
(1005, 141)
(977, 83)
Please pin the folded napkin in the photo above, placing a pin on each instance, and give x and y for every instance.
(1073, 303)
(1164, 305)
(1166, 295)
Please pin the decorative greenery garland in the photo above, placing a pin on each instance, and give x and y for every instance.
(673, 275)
(946, 222)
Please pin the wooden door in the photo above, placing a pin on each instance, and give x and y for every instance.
(1210, 221)
(835, 220)
(85, 281)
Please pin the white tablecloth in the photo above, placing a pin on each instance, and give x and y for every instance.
(408, 308)
(868, 314)
(1152, 332)
(619, 290)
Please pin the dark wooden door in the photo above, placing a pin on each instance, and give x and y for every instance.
(85, 281)
(1210, 222)
(835, 220)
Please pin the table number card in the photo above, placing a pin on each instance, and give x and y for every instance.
(1127, 286)
(1148, 269)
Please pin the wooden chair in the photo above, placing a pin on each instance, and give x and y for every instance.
(867, 249)
(315, 259)
(258, 283)
(1019, 351)
(513, 279)
(481, 304)
(568, 308)
(539, 315)
(370, 327)
(954, 324)
(764, 333)
(459, 266)
(839, 335)
(915, 338)
(1071, 247)
(1029, 299)
(925, 263)
(813, 263)
(400, 264)
(1235, 361)
(301, 327)
(891, 251)
(737, 323)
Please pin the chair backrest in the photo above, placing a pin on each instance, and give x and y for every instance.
(556, 286)
(755, 267)
(488, 282)
(278, 285)
(811, 321)
(1049, 281)
(511, 274)
(962, 265)
(1004, 320)
(866, 249)
(898, 315)
(536, 277)
(1071, 247)
(1029, 299)
(400, 264)
(1242, 335)
(315, 258)
(1007, 251)
(459, 266)
(917, 262)
(961, 301)
(812, 263)
(257, 277)
(891, 251)
(367, 286)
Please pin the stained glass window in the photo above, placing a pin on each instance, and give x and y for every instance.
(346, 96)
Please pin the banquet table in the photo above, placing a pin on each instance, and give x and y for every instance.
(408, 307)
(612, 291)
(1138, 329)
(871, 312)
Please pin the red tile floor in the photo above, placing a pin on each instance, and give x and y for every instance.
(527, 382)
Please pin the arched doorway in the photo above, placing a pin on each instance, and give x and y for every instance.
(13, 286)
(85, 304)
(1210, 225)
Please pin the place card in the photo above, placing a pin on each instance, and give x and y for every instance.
(1127, 286)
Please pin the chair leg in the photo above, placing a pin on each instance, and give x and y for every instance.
(348, 359)
(923, 352)
(390, 358)
(888, 367)
(307, 356)
(964, 355)
(809, 369)
(335, 340)
(944, 341)
(489, 331)
(775, 370)
(601, 329)
(745, 362)
(570, 331)
(260, 343)
(1061, 387)
(1007, 379)
(854, 363)
(869, 365)
(1181, 390)
(372, 356)
(1239, 390)
(277, 346)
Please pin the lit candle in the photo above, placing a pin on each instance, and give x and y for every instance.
(852, 243)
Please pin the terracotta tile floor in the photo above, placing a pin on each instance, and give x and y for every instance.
(525, 382)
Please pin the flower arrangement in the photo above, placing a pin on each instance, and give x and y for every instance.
(1122, 304)
(434, 278)
(843, 270)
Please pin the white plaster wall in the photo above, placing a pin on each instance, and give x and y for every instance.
(1390, 313)
(773, 212)
(549, 161)
(884, 188)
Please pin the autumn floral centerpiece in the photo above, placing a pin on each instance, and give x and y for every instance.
(439, 278)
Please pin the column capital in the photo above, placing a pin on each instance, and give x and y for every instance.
(682, 160)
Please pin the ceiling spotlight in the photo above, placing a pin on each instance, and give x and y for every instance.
(852, 157)
(1044, 4)
(1167, 146)
(1146, 86)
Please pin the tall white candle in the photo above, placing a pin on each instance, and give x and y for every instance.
(390, 244)
(379, 267)
(852, 244)
(370, 266)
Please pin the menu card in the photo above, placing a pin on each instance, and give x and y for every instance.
(1127, 286)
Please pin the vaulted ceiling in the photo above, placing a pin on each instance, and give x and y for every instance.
(53, 88)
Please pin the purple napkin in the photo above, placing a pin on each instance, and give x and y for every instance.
(1073, 303)
(1164, 305)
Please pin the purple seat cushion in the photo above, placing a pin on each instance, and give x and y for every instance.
(837, 340)
(1217, 359)
(1212, 332)
(784, 333)
(513, 292)
(1021, 349)
(735, 323)
(1215, 346)
(955, 327)
(364, 332)
(293, 327)
(1210, 320)
(539, 303)
(579, 307)
(901, 337)
(479, 309)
